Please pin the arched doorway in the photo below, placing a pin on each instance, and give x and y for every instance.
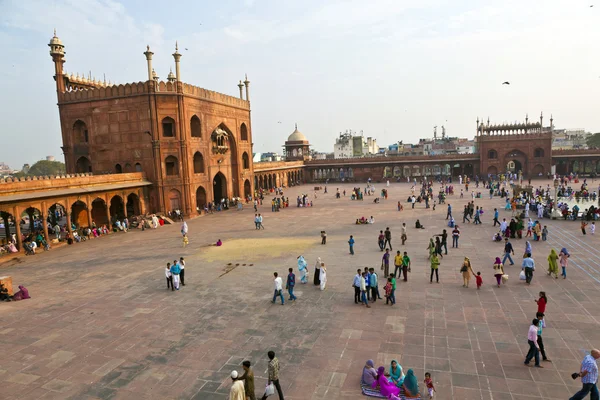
(469, 169)
(117, 208)
(99, 214)
(538, 170)
(219, 187)
(118, 169)
(514, 166)
(32, 220)
(79, 214)
(8, 222)
(83, 165)
(174, 199)
(200, 197)
(492, 170)
(247, 189)
(133, 205)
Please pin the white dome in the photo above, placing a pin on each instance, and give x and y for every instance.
(297, 136)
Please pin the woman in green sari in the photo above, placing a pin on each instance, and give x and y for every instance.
(411, 385)
(396, 374)
(553, 263)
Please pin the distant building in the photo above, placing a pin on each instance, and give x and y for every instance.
(568, 139)
(50, 158)
(270, 156)
(350, 145)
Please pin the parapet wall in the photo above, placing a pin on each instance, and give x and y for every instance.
(273, 165)
(513, 136)
(12, 185)
(139, 88)
(391, 160)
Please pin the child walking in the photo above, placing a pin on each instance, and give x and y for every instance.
(429, 383)
(541, 302)
(185, 240)
(479, 280)
(592, 228)
(541, 326)
(583, 225)
(323, 237)
(545, 233)
(388, 292)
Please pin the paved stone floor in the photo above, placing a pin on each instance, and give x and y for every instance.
(101, 324)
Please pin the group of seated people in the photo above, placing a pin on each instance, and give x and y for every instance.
(363, 220)
(389, 383)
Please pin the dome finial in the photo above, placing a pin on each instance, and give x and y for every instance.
(54, 32)
(296, 126)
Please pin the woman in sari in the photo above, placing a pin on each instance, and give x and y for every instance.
(303, 270)
(316, 279)
(184, 228)
(431, 248)
(527, 249)
(396, 374)
(467, 271)
(369, 374)
(22, 294)
(323, 276)
(385, 387)
(498, 270)
(553, 263)
(411, 385)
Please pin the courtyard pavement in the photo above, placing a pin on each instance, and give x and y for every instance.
(102, 325)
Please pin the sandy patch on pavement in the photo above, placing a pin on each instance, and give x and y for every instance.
(254, 250)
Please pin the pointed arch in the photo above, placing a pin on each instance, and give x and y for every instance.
(80, 132)
(198, 163)
(171, 166)
(244, 132)
(245, 161)
(168, 127)
(196, 127)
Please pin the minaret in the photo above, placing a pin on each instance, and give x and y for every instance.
(241, 85)
(171, 76)
(551, 123)
(477, 126)
(57, 51)
(247, 83)
(177, 57)
(149, 55)
(541, 120)
(154, 76)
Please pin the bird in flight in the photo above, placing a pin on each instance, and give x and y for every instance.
(278, 122)
(186, 48)
(506, 83)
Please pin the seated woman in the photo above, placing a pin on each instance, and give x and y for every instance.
(371, 220)
(357, 221)
(219, 243)
(396, 374)
(376, 200)
(497, 237)
(363, 220)
(418, 225)
(385, 387)
(451, 223)
(369, 374)
(411, 385)
(22, 294)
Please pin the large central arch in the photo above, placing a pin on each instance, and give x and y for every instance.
(515, 161)
(219, 187)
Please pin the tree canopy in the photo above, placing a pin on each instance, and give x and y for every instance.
(594, 140)
(44, 167)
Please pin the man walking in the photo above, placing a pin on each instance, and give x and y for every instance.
(278, 282)
(397, 265)
(508, 249)
(356, 286)
(466, 212)
(444, 242)
(449, 214)
(260, 222)
(256, 221)
(496, 217)
(589, 377)
(405, 266)
(529, 266)
(534, 349)
(455, 236)
(248, 379)
(351, 244)
(289, 285)
(403, 233)
(388, 238)
(175, 271)
(274, 374)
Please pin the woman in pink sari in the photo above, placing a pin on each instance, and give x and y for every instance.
(22, 294)
(385, 387)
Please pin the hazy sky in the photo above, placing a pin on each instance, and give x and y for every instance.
(392, 68)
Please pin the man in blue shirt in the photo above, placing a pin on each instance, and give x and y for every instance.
(289, 285)
(589, 377)
(356, 286)
(529, 266)
(449, 215)
(496, 215)
(507, 250)
(351, 244)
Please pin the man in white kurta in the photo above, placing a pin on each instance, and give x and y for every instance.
(237, 388)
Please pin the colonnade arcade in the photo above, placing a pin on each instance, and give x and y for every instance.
(270, 179)
(29, 216)
(580, 166)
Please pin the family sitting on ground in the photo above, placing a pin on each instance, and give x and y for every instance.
(363, 220)
(392, 384)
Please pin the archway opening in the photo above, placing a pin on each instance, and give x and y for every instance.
(171, 166)
(138, 167)
(99, 212)
(7, 227)
(128, 168)
(196, 127)
(83, 165)
(538, 170)
(469, 169)
(219, 187)
(200, 198)
(243, 132)
(80, 132)
(79, 214)
(245, 161)
(133, 205)
(247, 188)
(514, 166)
(117, 208)
(198, 163)
(31, 220)
(492, 170)
(118, 169)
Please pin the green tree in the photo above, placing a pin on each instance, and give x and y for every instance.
(44, 167)
(594, 140)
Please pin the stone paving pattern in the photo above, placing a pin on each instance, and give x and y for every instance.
(101, 324)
